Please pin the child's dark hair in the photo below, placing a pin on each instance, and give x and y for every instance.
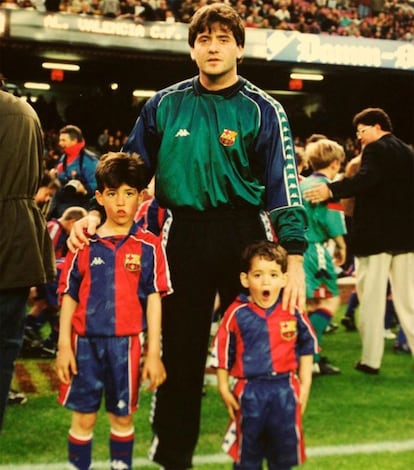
(117, 168)
(216, 13)
(270, 251)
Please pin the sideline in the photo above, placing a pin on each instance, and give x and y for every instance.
(323, 451)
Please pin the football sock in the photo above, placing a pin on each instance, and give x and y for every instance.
(80, 451)
(353, 303)
(320, 319)
(121, 446)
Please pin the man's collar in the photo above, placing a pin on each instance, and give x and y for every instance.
(225, 92)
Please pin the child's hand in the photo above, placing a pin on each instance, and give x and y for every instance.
(65, 364)
(230, 402)
(340, 255)
(153, 372)
(303, 398)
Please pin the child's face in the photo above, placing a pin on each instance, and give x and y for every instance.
(264, 280)
(120, 204)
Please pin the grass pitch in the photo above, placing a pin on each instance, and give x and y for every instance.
(365, 422)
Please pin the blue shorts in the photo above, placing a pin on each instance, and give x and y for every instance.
(107, 366)
(268, 425)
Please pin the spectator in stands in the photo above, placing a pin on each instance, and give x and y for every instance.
(282, 13)
(254, 20)
(161, 11)
(110, 8)
(9, 4)
(185, 11)
(102, 141)
(49, 185)
(75, 171)
(52, 6)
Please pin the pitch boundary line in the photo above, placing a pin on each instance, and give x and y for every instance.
(321, 451)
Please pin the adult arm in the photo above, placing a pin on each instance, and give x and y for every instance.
(364, 179)
(283, 197)
(290, 229)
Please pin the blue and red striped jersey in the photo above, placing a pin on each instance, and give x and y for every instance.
(111, 280)
(59, 236)
(252, 341)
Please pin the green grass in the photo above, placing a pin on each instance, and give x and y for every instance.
(351, 408)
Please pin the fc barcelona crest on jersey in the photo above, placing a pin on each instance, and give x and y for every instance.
(288, 330)
(132, 262)
(228, 137)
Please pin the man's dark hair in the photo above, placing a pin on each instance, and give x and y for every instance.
(117, 168)
(221, 13)
(73, 131)
(372, 116)
(268, 250)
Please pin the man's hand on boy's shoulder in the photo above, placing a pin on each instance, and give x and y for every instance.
(78, 236)
(294, 293)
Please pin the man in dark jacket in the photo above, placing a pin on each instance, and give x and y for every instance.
(382, 236)
(26, 254)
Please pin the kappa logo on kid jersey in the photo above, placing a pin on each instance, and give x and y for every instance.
(228, 137)
(97, 261)
(132, 262)
(288, 330)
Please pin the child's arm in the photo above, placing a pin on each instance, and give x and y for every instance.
(340, 250)
(228, 398)
(153, 369)
(305, 378)
(65, 360)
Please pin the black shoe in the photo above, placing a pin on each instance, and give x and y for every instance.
(32, 337)
(401, 347)
(48, 349)
(16, 398)
(349, 323)
(325, 368)
(331, 328)
(366, 369)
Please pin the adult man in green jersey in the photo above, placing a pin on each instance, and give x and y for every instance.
(222, 154)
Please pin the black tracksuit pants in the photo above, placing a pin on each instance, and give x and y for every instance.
(203, 251)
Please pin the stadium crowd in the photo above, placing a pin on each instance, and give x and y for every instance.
(379, 19)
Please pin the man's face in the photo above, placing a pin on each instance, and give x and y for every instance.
(65, 140)
(216, 54)
(367, 134)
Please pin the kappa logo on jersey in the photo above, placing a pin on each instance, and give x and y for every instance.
(97, 261)
(228, 137)
(288, 330)
(132, 262)
(182, 133)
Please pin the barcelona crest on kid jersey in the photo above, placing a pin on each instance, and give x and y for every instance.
(132, 262)
(288, 330)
